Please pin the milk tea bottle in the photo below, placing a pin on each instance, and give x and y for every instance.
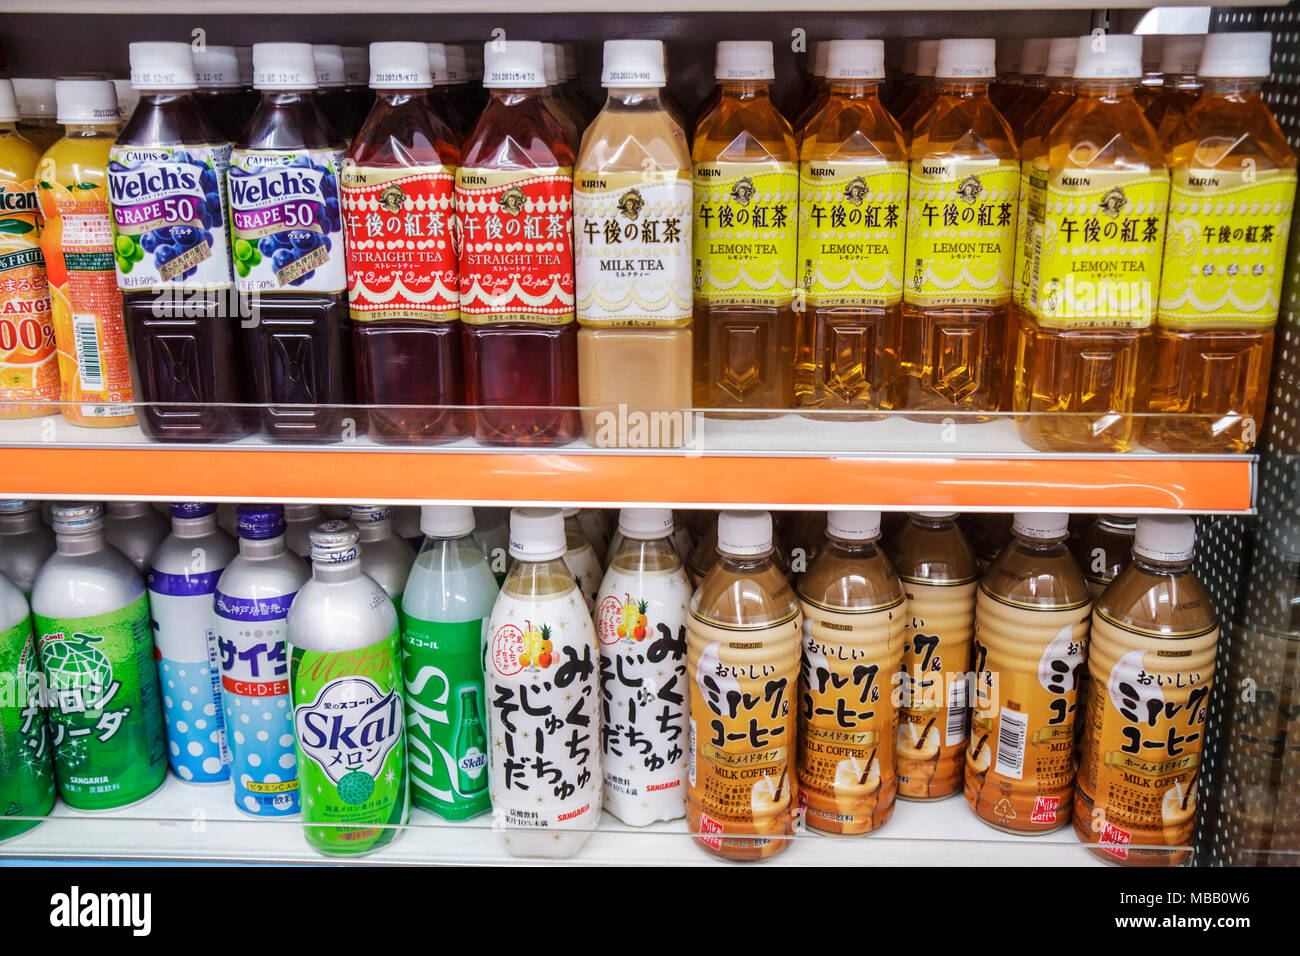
(1031, 639)
(854, 615)
(25, 542)
(1154, 637)
(939, 572)
(743, 637)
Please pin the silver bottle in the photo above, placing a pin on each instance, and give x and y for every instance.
(25, 542)
(135, 529)
(384, 556)
(298, 522)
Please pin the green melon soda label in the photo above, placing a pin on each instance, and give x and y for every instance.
(26, 777)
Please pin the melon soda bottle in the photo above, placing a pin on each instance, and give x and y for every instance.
(289, 252)
(220, 94)
(1095, 231)
(632, 244)
(961, 223)
(1230, 206)
(852, 220)
(25, 542)
(26, 771)
(514, 199)
(399, 213)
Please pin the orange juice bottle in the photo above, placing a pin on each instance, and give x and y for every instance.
(94, 364)
(1034, 87)
(1234, 182)
(1179, 62)
(926, 89)
(852, 210)
(29, 371)
(961, 225)
(1095, 227)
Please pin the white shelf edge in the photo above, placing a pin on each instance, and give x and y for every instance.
(320, 7)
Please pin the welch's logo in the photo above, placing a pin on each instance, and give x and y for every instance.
(275, 186)
(351, 725)
(152, 182)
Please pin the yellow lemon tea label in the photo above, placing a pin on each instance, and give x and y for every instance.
(746, 216)
(851, 230)
(1094, 241)
(961, 229)
(1226, 246)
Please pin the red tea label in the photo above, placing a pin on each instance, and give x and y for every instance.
(516, 263)
(402, 242)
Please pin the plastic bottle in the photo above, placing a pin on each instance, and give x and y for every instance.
(1007, 86)
(542, 695)
(445, 609)
(465, 91)
(298, 521)
(37, 110)
(356, 74)
(289, 251)
(472, 79)
(1034, 85)
(250, 95)
(1104, 549)
(384, 556)
(182, 583)
(1153, 80)
(560, 107)
(516, 180)
(492, 534)
(926, 89)
(25, 542)
(1180, 61)
(817, 89)
(220, 93)
(902, 87)
(442, 96)
(336, 105)
(127, 99)
(252, 605)
(91, 624)
(580, 558)
(26, 770)
(136, 529)
(345, 677)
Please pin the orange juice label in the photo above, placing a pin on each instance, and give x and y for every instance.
(741, 774)
(28, 371)
(848, 716)
(1020, 757)
(403, 243)
(516, 259)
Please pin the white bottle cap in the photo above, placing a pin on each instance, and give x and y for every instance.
(1165, 538)
(853, 525)
(568, 62)
(820, 53)
(1060, 56)
(745, 534)
(333, 541)
(8, 102)
(328, 59)
(1009, 57)
(629, 64)
(457, 63)
(536, 534)
(437, 57)
(245, 55)
(162, 65)
(86, 102)
(911, 50)
(927, 57)
(77, 517)
(35, 96)
(1033, 56)
(514, 64)
(550, 64)
(400, 65)
(855, 60)
(1153, 48)
(935, 514)
(1040, 525)
(127, 97)
(1237, 55)
(217, 67)
(356, 65)
(744, 60)
(283, 66)
(1182, 54)
(294, 512)
(1109, 56)
(446, 521)
(967, 60)
(645, 523)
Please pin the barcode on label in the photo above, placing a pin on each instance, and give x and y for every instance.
(954, 731)
(86, 335)
(1013, 728)
(690, 770)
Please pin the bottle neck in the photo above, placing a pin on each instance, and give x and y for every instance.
(853, 89)
(1237, 87)
(1060, 84)
(855, 550)
(1165, 568)
(330, 573)
(18, 522)
(194, 527)
(261, 548)
(87, 542)
(746, 90)
(646, 99)
(932, 524)
(745, 564)
(517, 95)
(90, 129)
(396, 98)
(1182, 81)
(963, 88)
(1105, 88)
(1044, 545)
(1036, 81)
(376, 530)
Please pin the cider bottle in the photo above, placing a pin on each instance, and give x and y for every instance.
(1095, 230)
(926, 89)
(1034, 86)
(1234, 181)
(961, 224)
(746, 194)
(1180, 61)
(852, 212)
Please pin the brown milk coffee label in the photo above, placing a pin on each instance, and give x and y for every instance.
(1020, 759)
(934, 711)
(1140, 757)
(848, 718)
(743, 789)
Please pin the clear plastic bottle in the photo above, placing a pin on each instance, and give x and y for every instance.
(1006, 87)
(37, 110)
(1034, 85)
(384, 556)
(926, 89)
(220, 93)
(136, 529)
(1153, 80)
(988, 535)
(816, 89)
(465, 79)
(444, 102)
(553, 96)
(580, 558)
(26, 771)
(356, 77)
(332, 96)
(1104, 550)
(1180, 62)
(25, 542)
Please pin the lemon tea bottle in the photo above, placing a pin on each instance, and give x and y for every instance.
(1153, 80)
(1180, 61)
(1234, 181)
(818, 89)
(961, 224)
(901, 87)
(746, 185)
(925, 89)
(1034, 86)
(1095, 231)
(1006, 87)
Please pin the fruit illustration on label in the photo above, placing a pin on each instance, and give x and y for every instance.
(635, 622)
(538, 650)
(74, 662)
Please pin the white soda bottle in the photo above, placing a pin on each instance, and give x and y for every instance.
(492, 532)
(136, 529)
(25, 542)
(384, 556)
(539, 663)
(580, 558)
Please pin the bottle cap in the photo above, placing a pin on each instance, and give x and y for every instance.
(854, 59)
(8, 102)
(283, 66)
(1108, 56)
(927, 57)
(437, 54)
(77, 517)
(192, 509)
(400, 65)
(356, 66)
(1033, 56)
(127, 97)
(1040, 525)
(1166, 538)
(446, 521)
(645, 524)
(294, 512)
(457, 61)
(744, 60)
(13, 506)
(328, 60)
(819, 60)
(551, 64)
(1009, 57)
(910, 50)
(259, 522)
(967, 60)
(369, 514)
(1060, 56)
(514, 64)
(86, 102)
(745, 533)
(217, 67)
(245, 56)
(334, 541)
(1153, 48)
(161, 65)
(633, 63)
(568, 62)
(536, 534)
(935, 514)
(35, 96)
(853, 525)
(1181, 55)
(1237, 55)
